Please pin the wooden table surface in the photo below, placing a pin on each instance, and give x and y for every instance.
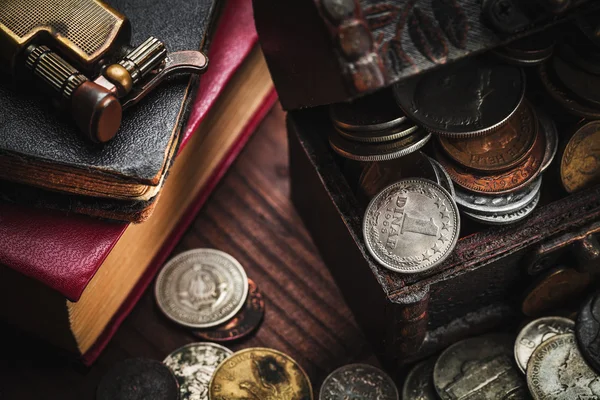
(250, 216)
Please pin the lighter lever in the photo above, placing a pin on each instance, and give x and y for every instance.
(96, 106)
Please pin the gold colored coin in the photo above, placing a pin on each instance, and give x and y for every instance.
(580, 164)
(260, 373)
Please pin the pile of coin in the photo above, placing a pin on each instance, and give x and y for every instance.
(208, 291)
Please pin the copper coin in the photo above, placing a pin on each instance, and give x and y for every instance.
(503, 182)
(580, 163)
(243, 323)
(554, 289)
(500, 150)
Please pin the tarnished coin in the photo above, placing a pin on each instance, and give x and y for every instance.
(588, 331)
(506, 218)
(374, 112)
(358, 382)
(499, 150)
(580, 163)
(194, 365)
(479, 368)
(497, 204)
(499, 182)
(411, 226)
(138, 379)
(201, 288)
(581, 83)
(557, 371)
(468, 98)
(260, 373)
(244, 322)
(548, 127)
(536, 332)
(443, 179)
(378, 151)
(419, 382)
(531, 50)
(386, 135)
(553, 289)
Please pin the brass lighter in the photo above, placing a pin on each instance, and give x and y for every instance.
(80, 50)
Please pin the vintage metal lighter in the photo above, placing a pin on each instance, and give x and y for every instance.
(79, 50)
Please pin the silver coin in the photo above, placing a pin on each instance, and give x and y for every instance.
(479, 368)
(411, 226)
(358, 382)
(489, 204)
(201, 288)
(508, 218)
(557, 371)
(379, 136)
(443, 178)
(193, 365)
(419, 382)
(536, 332)
(549, 128)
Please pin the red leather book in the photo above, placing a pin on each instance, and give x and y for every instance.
(58, 256)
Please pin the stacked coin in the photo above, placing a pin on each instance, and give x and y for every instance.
(358, 381)
(491, 141)
(373, 128)
(529, 51)
(208, 291)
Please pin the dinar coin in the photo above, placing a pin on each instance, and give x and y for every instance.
(193, 365)
(260, 373)
(557, 371)
(138, 379)
(479, 368)
(499, 150)
(411, 226)
(588, 331)
(468, 98)
(580, 163)
(536, 332)
(243, 324)
(506, 218)
(201, 288)
(358, 381)
(386, 135)
(553, 289)
(548, 127)
(418, 384)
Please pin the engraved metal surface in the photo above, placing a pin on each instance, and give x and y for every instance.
(580, 163)
(536, 332)
(479, 368)
(201, 288)
(418, 384)
(411, 226)
(588, 331)
(507, 218)
(358, 382)
(193, 365)
(557, 371)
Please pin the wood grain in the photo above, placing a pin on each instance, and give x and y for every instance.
(250, 216)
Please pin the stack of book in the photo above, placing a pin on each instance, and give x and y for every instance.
(83, 230)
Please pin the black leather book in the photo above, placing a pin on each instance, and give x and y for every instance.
(120, 179)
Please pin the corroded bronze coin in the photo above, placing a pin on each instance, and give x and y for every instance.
(580, 163)
(553, 289)
(500, 150)
(358, 381)
(418, 384)
(138, 379)
(244, 322)
(260, 373)
(501, 182)
(587, 331)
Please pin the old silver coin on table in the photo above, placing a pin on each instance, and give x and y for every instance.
(535, 333)
(506, 218)
(479, 368)
(442, 177)
(193, 365)
(358, 381)
(490, 204)
(557, 371)
(411, 226)
(548, 126)
(418, 384)
(201, 288)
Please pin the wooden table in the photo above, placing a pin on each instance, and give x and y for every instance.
(250, 216)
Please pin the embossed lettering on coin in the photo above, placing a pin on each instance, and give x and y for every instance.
(536, 332)
(259, 373)
(358, 382)
(194, 365)
(201, 288)
(419, 382)
(411, 225)
(588, 331)
(580, 164)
